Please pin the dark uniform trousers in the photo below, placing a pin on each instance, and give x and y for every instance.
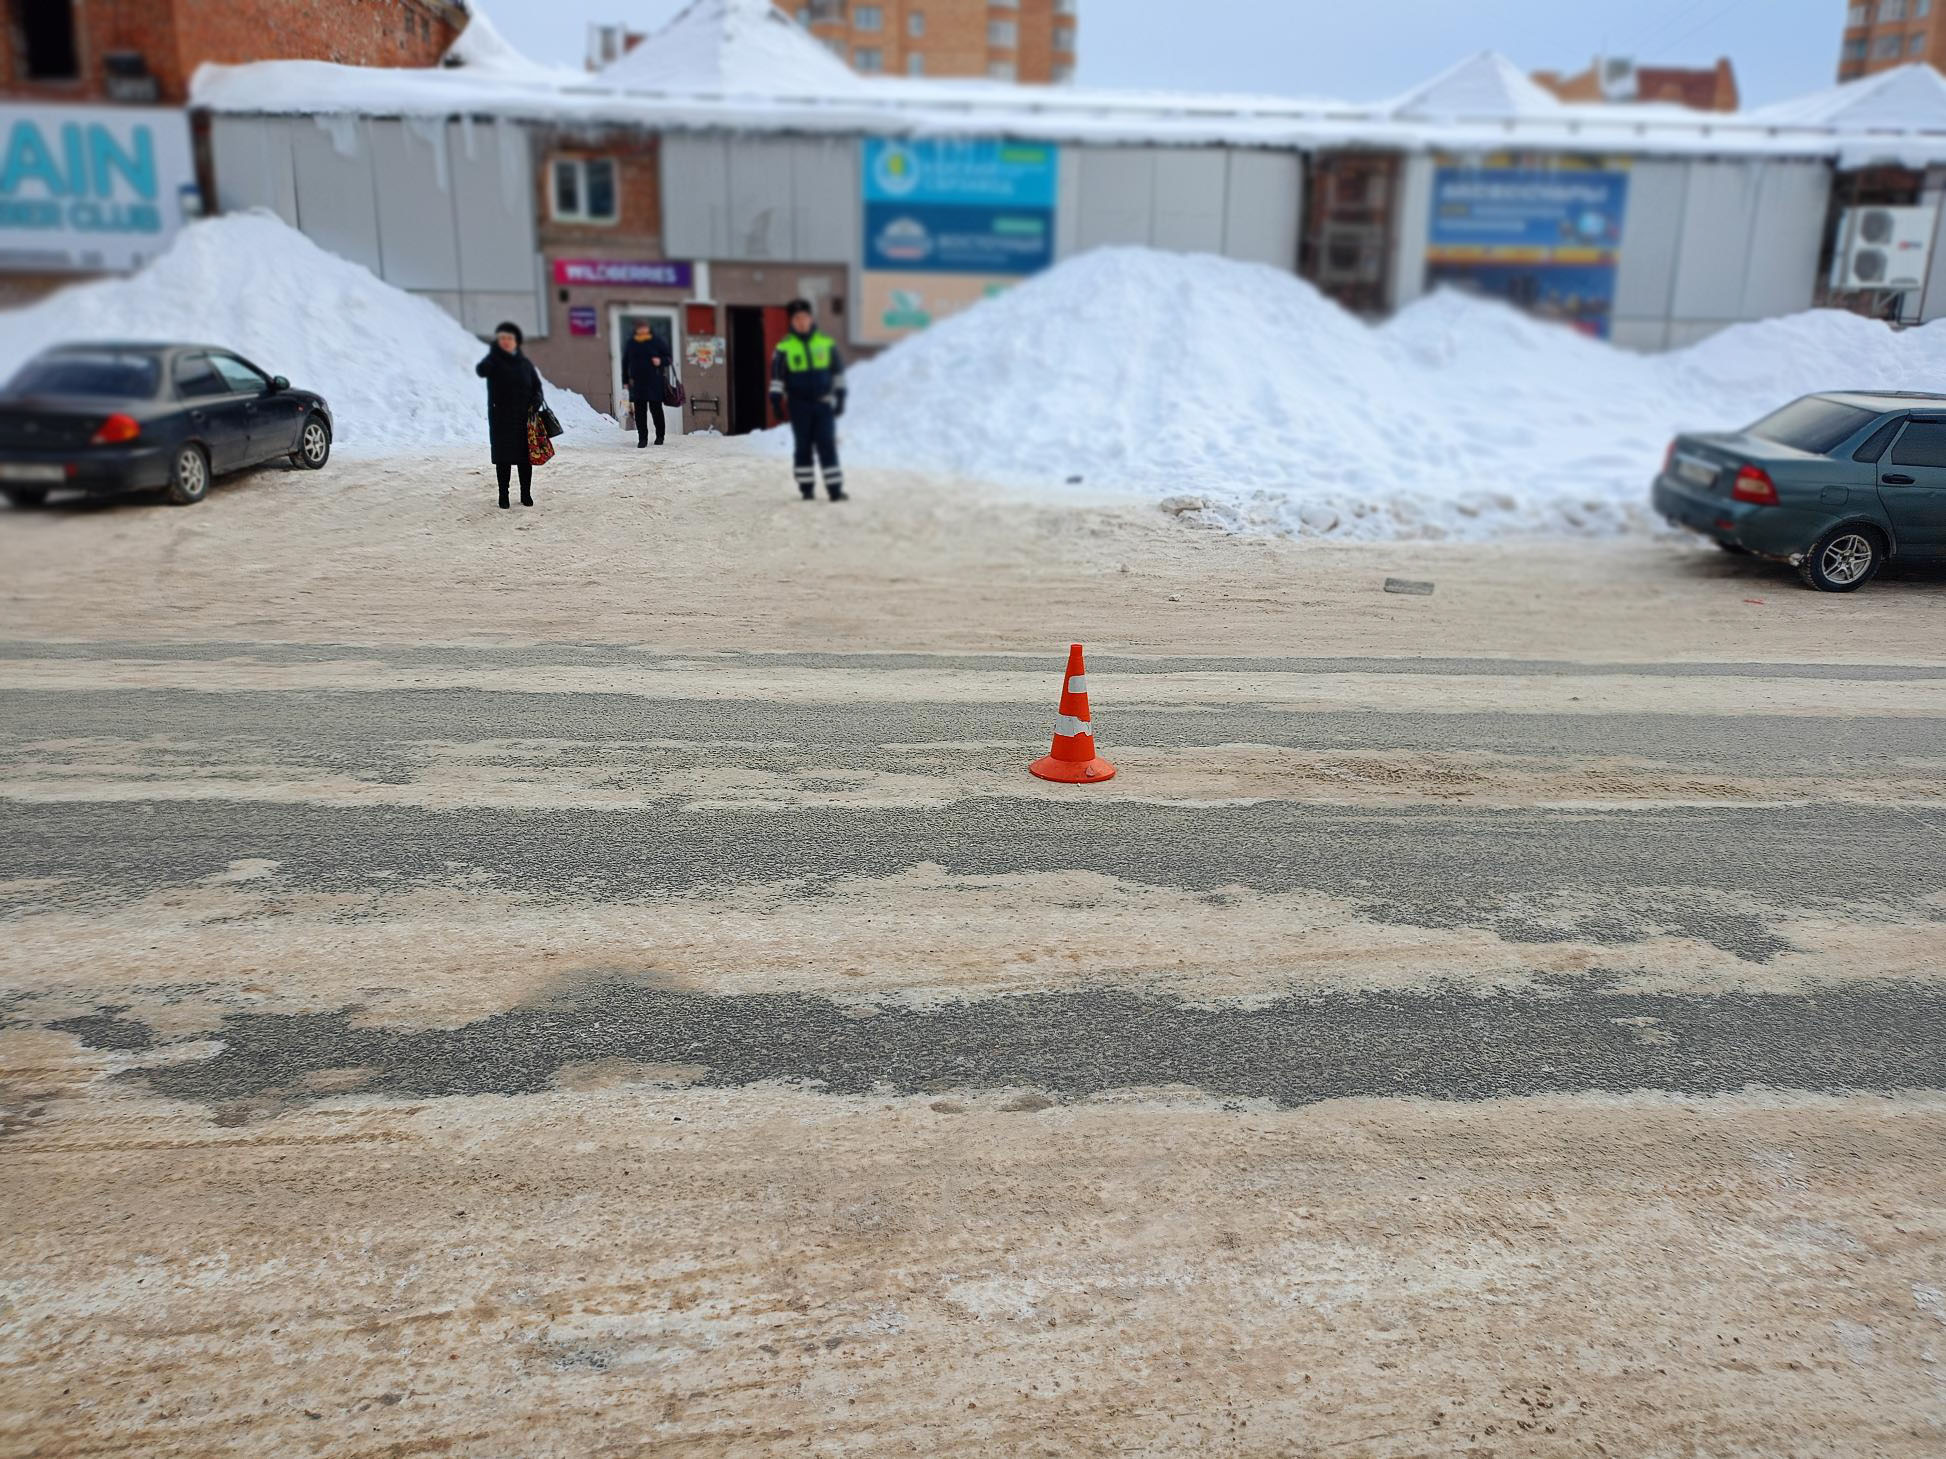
(814, 431)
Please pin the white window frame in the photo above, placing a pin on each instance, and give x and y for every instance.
(580, 214)
(1002, 71)
(869, 59)
(868, 18)
(1890, 10)
(915, 24)
(1003, 34)
(915, 64)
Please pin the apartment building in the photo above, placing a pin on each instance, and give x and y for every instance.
(1881, 34)
(1020, 40)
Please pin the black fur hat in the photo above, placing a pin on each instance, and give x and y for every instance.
(507, 326)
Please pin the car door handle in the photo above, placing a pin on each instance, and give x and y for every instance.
(1895, 481)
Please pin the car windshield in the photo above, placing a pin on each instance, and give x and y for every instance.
(125, 377)
(1812, 424)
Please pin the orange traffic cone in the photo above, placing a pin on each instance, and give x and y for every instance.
(1073, 760)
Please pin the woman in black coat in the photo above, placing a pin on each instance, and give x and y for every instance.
(513, 396)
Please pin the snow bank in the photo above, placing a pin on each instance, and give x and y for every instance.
(1165, 375)
(397, 369)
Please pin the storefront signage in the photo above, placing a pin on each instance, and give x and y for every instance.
(583, 320)
(1545, 238)
(947, 222)
(92, 188)
(626, 272)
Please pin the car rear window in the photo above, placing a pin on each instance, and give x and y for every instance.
(126, 377)
(1812, 424)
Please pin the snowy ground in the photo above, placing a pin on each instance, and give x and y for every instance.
(1236, 393)
(396, 369)
(598, 977)
(1165, 375)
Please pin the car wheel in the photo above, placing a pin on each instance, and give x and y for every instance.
(25, 497)
(313, 445)
(1845, 559)
(189, 477)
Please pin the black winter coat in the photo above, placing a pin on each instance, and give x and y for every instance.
(645, 381)
(513, 394)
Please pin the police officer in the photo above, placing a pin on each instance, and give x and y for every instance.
(807, 388)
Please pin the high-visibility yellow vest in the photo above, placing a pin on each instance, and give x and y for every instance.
(798, 358)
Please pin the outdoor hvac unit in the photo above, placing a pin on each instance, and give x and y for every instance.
(1884, 248)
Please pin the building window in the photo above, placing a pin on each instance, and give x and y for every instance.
(868, 58)
(915, 64)
(915, 24)
(1064, 7)
(1000, 70)
(1889, 10)
(585, 190)
(1003, 33)
(1859, 15)
(47, 29)
(868, 17)
(1917, 46)
(1064, 38)
(1855, 49)
(1063, 74)
(836, 44)
(1888, 45)
(1921, 9)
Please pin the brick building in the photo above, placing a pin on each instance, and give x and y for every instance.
(1612, 79)
(1031, 41)
(1881, 34)
(1021, 40)
(145, 51)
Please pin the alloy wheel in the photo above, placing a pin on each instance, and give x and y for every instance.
(192, 473)
(316, 443)
(1847, 559)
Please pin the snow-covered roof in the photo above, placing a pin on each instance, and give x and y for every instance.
(1486, 87)
(731, 48)
(739, 65)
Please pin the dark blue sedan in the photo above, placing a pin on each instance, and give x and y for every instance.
(119, 417)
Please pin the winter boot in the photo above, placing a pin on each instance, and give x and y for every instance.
(505, 505)
(526, 497)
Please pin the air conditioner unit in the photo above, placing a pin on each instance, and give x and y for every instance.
(1884, 248)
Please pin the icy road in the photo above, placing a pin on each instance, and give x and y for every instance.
(491, 987)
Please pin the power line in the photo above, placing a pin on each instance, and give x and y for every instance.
(1701, 25)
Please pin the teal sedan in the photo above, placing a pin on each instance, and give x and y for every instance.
(1836, 485)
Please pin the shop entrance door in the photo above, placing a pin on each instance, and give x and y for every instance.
(754, 332)
(665, 323)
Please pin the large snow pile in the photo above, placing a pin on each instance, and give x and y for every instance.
(1168, 375)
(397, 369)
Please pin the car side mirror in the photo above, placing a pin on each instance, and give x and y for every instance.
(278, 383)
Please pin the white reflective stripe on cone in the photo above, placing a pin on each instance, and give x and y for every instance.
(1067, 724)
(1078, 684)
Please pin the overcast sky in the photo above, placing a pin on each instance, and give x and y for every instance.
(1360, 51)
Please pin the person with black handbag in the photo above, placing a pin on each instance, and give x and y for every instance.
(514, 406)
(645, 376)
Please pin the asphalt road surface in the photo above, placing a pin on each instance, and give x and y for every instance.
(689, 1029)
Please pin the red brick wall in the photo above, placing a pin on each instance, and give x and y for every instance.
(637, 233)
(176, 36)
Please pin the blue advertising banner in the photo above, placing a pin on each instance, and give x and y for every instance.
(939, 239)
(963, 172)
(1544, 238)
(970, 215)
(1474, 208)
